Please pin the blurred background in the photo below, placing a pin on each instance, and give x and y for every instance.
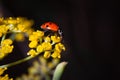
(90, 32)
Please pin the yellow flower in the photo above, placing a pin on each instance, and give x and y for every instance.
(59, 47)
(18, 24)
(56, 54)
(38, 33)
(20, 19)
(32, 52)
(11, 20)
(33, 38)
(47, 39)
(1, 19)
(53, 63)
(29, 31)
(5, 77)
(6, 48)
(4, 29)
(45, 46)
(47, 54)
(55, 39)
(1, 55)
(0, 34)
(33, 44)
(28, 23)
(19, 37)
(2, 70)
(6, 42)
(39, 48)
(57, 50)
(21, 27)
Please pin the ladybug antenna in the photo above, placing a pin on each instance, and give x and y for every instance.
(60, 32)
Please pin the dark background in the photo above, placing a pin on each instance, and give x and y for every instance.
(90, 30)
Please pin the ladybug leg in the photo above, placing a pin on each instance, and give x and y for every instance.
(46, 30)
(48, 33)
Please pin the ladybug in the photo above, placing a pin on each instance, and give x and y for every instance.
(51, 26)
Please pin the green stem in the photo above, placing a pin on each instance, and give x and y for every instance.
(17, 62)
(3, 38)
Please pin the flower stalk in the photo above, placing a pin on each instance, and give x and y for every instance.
(17, 62)
(3, 37)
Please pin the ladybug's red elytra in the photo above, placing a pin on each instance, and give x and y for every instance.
(50, 26)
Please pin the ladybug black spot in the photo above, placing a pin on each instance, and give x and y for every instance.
(50, 23)
(47, 26)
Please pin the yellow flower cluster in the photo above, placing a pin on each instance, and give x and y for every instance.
(40, 70)
(49, 45)
(6, 47)
(18, 24)
(40, 43)
(5, 77)
(14, 29)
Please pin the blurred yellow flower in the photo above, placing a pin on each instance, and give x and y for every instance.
(5, 77)
(19, 37)
(18, 24)
(53, 63)
(1, 19)
(0, 34)
(3, 29)
(2, 70)
(21, 28)
(11, 21)
(29, 31)
(28, 23)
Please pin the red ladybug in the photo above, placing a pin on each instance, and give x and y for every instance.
(50, 26)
